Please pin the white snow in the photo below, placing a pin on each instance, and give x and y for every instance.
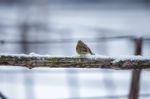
(32, 54)
(130, 57)
(98, 56)
(116, 58)
(119, 58)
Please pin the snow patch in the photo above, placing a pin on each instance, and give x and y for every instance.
(98, 56)
(129, 57)
(116, 58)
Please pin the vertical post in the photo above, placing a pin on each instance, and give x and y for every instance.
(135, 83)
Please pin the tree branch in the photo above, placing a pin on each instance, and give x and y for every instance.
(31, 61)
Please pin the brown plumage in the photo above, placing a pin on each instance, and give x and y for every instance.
(82, 49)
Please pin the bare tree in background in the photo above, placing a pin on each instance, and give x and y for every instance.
(33, 19)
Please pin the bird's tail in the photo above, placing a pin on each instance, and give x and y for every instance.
(91, 53)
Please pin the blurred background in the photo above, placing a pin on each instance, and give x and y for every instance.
(53, 27)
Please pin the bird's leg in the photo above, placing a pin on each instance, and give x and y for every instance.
(82, 56)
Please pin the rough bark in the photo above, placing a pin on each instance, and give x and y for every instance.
(76, 62)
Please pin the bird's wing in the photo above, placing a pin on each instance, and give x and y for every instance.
(86, 48)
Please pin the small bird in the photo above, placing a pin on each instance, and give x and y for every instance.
(82, 49)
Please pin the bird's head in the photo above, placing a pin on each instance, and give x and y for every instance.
(79, 41)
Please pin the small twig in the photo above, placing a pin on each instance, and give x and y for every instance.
(2, 96)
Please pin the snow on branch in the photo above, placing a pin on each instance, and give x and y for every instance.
(93, 61)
